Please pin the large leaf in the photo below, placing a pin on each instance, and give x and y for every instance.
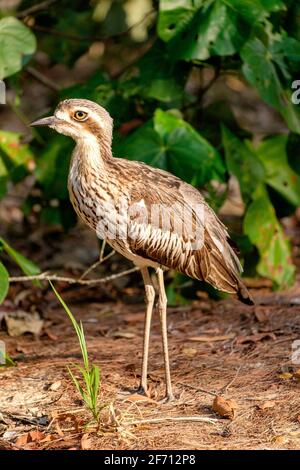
(4, 282)
(279, 175)
(243, 163)
(266, 233)
(14, 158)
(170, 143)
(189, 155)
(17, 43)
(27, 266)
(263, 67)
(199, 29)
(146, 145)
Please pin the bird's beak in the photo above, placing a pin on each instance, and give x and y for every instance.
(47, 121)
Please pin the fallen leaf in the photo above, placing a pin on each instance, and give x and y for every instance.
(19, 322)
(297, 374)
(254, 338)
(285, 376)
(23, 439)
(267, 404)
(49, 438)
(210, 339)
(32, 436)
(190, 352)
(281, 439)
(36, 436)
(225, 408)
(86, 442)
(55, 386)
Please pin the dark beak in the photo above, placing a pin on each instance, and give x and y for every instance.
(47, 121)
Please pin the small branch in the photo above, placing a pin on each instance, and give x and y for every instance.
(42, 78)
(100, 260)
(86, 282)
(203, 90)
(174, 419)
(225, 389)
(76, 37)
(197, 389)
(36, 8)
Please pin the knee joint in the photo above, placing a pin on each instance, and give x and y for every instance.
(150, 293)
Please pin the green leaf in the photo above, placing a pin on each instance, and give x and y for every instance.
(146, 145)
(279, 175)
(266, 233)
(262, 67)
(199, 29)
(4, 282)
(27, 266)
(175, 16)
(172, 144)
(17, 43)
(14, 158)
(189, 155)
(243, 163)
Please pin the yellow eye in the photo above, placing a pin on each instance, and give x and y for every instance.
(80, 115)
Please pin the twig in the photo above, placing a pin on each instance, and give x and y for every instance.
(53, 277)
(35, 8)
(173, 419)
(76, 37)
(100, 260)
(198, 389)
(42, 78)
(225, 389)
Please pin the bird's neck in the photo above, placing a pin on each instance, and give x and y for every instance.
(91, 154)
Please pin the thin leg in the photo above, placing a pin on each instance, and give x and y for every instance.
(162, 309)
(150, 296)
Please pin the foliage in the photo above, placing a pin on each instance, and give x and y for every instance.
(27, 267)
(162, 112)
(90, 373)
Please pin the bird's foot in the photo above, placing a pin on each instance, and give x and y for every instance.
(167, 399)
(143, 391)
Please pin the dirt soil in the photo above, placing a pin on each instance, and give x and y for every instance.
(217, 348)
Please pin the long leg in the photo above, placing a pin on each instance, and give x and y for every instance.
(162, 309)
(150, 296)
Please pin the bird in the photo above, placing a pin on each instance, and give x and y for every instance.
(147, 214)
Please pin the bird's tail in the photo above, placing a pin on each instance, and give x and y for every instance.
(243, 294)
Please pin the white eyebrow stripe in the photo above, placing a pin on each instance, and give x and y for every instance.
(61, 114)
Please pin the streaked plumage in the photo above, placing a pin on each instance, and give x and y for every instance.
(99, 180)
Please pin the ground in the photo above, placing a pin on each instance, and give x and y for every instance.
(217, 348)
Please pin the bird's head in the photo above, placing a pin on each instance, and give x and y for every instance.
(80, 119)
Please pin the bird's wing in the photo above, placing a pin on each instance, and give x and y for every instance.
(170, 238)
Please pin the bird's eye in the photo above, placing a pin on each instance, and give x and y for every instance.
(80, 115)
